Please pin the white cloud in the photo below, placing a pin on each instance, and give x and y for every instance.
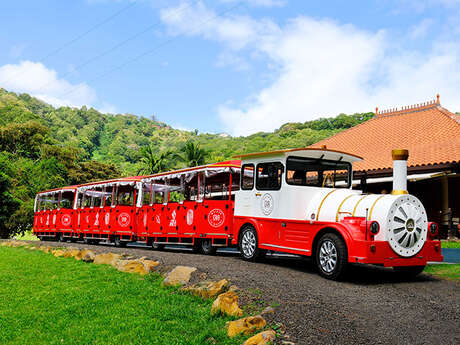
(323, 68)
(260, 3)
(421, 29)
(37, 80)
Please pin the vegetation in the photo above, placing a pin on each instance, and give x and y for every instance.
(446, 271)
(43, 147)
(450, 244)
(78, 303)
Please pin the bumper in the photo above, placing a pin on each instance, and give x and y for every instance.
(380, 252)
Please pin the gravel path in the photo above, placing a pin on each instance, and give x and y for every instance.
(373, 306)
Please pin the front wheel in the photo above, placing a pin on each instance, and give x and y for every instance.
(157, 246)
(331, 257)
(249, 244)
(409, 271)
(61, 237)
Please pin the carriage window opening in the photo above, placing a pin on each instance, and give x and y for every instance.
(159, 197)
(125, 196)
(80, 200)
(318, 172)
(67, 199)
(247, 177)
(269, 176)
(87, 200)
(97, 198)
(53, 201)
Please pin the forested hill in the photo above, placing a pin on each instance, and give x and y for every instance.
(44, 147)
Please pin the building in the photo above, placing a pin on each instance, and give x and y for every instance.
(431, 133)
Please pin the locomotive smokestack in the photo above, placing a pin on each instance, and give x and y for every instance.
(399, 171)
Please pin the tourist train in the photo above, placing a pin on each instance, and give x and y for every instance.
(297, 201)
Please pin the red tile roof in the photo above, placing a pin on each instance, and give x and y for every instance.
(430, 133)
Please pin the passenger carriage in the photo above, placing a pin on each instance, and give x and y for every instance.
(297, 201)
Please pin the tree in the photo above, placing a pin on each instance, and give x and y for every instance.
(193, 154)
(152, 163)
(8, 204)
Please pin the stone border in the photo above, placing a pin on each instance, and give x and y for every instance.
(224, 295)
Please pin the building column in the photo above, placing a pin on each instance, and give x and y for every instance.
(446, 212)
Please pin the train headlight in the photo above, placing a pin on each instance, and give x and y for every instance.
(433, 229)
(374, 228)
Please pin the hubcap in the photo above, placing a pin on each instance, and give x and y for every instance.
(328, 256)
(248, 243)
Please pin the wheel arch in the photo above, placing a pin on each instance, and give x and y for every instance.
(342, 233)
(251, 222)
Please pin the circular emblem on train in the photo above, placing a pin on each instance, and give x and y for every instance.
(124, 219)
(190, 217)
(216, 218)
(107, 218)
(267, 204)
(65, 220)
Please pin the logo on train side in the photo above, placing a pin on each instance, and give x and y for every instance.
(124, 219)
(267, 204)
(173, 219)
(54, 219)
(145, 220)
(48, 219)
(107, 218)
(158, 219)
(190, 217)
(216, 218)
(65, 220)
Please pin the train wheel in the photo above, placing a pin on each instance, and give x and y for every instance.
(249, 244)
(331, 257)
(118, 242)
(207, 248)
(157, 246)
(60, 237)
(409, 271)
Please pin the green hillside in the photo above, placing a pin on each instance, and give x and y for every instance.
(43, 147)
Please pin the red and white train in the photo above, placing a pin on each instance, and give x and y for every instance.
(296, 201)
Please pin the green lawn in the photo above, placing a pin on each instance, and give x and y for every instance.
(450, 244)
(48, 300)
(447, 271)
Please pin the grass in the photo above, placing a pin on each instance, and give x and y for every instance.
(48, 300)
(27, 236)
(450, 244)
(446, 271)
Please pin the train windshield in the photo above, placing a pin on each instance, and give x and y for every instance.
(313, 172)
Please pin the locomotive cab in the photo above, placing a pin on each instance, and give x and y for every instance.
(301, 201)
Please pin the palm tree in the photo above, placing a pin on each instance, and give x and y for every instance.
(153, 163)
(193, 154)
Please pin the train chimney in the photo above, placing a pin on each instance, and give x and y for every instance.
(399, 171)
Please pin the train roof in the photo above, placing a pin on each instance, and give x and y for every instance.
(225, 166)
(320, 153)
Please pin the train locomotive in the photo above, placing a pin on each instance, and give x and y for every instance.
(297, 201)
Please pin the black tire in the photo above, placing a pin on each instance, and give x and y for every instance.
(60, 237)
(408, 271)
(248, 244)
(207, 248)
(157, 246)
(118, 242)
(331, 257)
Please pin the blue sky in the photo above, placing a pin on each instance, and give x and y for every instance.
(232, 66)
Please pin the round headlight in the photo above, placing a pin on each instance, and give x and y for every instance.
(374, 228)
(433, 228)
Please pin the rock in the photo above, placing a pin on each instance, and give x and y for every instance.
(180, 275)
(75, 253)
(268, 310)
(45, 250)
(208, 289)
(107, 259)
(58, 252)
(87, 255)
(262, 338)
(246, 325)
(285, 342)
(233, 288)
(149, 265)
(226, 303)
